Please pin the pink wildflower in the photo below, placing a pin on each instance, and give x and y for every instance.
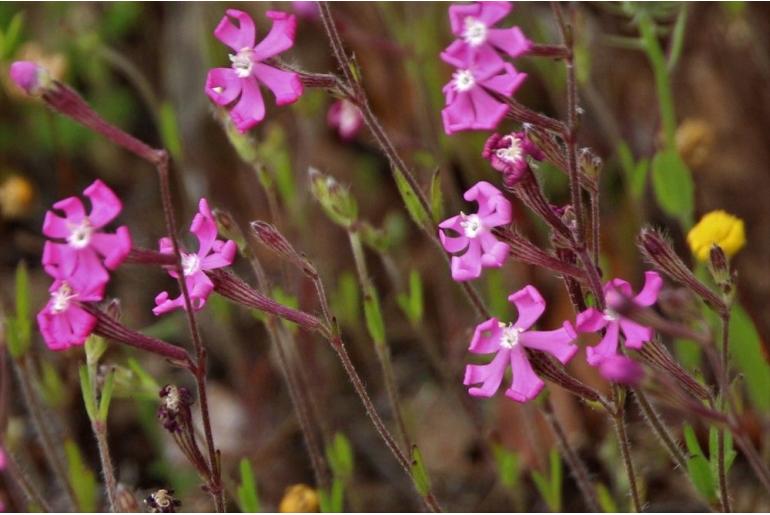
(2, 459)
(592, 320)
(470, 100)
(307, 10)
(474, 233)
(621, 369)
(241, 80)
(212, 253)
(63, 322)
(29, 76)
(473, 25)
(83, 247)
(346, 118)
(509, 343)
(508, 155)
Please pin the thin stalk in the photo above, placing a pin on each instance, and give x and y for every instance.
(576, 465)
(35, 410)
(22, 481)
(660, 430)
(593, 198)
(108, 470)
(619, 419)
(724, 497)
(381, 347)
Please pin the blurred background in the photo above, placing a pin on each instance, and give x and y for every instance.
(143, 66)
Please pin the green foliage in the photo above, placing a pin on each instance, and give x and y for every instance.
(550, 486)
(375, 323)
(636, 172)
(19, 327)
(81, 478)
(508, 467)
(411, 303)
(699, 467)
(339, 453)
(497, 296)
(673, 186)
(436, 197)
(334, 500)
(86, 388)
(248, 499)
(335, 199)
(169, 130)
(416, 210)
(95, 348)
(10, 36)
(748, 357)
(419, 474)
(605, 500)
(346, 299)
(51, 385)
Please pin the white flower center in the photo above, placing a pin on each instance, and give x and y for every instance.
(510, 337)
(513, 152)
(80, 234)
(610, 315)
(475, 31)
(243, 62)
(61, 298)
(191, 263)
(471, 225)
(463, 80)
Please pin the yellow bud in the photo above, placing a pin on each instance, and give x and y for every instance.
(16, 196)
(299, 499)
(717, 228)
(695, 141)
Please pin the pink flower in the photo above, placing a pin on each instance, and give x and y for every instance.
(593, 320)
(212, 253)
(2, 459)
(509, 343)
(241, 81)
(470, 104)
(63, 322)
(346, 118)
(473, 25)
(621, 369)
(474, 237)
(307, 10)
(508, 155)
(29, 76)
(83, 247)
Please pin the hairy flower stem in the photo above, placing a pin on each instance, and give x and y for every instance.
(339, 347)
(576, 465)
(108, 470)
(21, 480)
(724, 385)
(380, 343)
(660, 430)
(619, 419)
(23, 367)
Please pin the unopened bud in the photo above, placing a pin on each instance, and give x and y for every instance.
(336, 199)
(299, 499)
(31, 77)
(590, 163)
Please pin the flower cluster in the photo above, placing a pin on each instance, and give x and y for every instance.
(79, 256)
(237, 87)
(212, 254)
(482, 76)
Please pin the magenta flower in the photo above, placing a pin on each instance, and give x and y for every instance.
(241, 81)
(592, 320)
(63, 322)
(621, 369)
(470, 104)
(473, 25)
(346, 118)
(83, 248)
(212, 253)
(508, 155)
(509, 342)
(29, 76)
(479, 247)
(2, 459)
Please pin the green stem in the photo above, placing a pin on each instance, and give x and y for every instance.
(662, 79)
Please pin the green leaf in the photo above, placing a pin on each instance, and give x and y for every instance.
(81, 478)
(698, 467)
(333, 501)
(106, 395)
(169, 130)
(418, 472)
(52, 387)
(145, 379)
(748, 357)
(508, 467)
(421, 217)
(11, 36)
(287, 299)
(19, 328)
(673, 186)
(86, 388)
(550, 486)
(436, 197)
(340, 455)
(412, 303)
(373, 314)
(95, 348)
(346, 300)
(605, 500)
(248, 499)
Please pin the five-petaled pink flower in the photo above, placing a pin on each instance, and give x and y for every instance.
(470, 104)
(346, 118)
(510, 342)
(212, 253)
(241, 80)
(592, 320)
(508, 155)
(82, 247)
(474, 237)
(63, 322)
(473, 25)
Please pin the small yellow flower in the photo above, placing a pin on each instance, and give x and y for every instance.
(299, 499)
(16, 196)
(720, 228)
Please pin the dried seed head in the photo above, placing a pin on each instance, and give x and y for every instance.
(174, 409)
(162, 501)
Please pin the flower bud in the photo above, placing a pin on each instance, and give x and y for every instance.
(299, 499)
(335, 198)
(622, 370)
(590, 164)
(31, 77)
(508, 155)
(17, 195)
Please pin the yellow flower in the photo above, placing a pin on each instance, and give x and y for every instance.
(16, 197)
(720, 228)
(299, 499)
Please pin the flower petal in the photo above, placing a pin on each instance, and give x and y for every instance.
(237, 38)
(105, 205)
(280, 38)
(222, 85)
(54, 226)
(495, 251)
(590, 321)
(250, 109)
(490, 375)
(486, 337)
(467, 266)
(286, 86)
(73, 209)
(492, 12)
(530, 305)
(605, 348)
(459, 113)
(113, 247)
(652, 285)
(512, 41)
(222, 258)
(558, 343)
(636, 334)
(204, 228)
(488, 112)
(526, 384)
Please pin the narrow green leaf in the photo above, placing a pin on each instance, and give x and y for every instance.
(673, 186)
(86, 388)
(19, 327)
(748, 357)
(106, 397)
(605, 500)
(411, 201)
(248, 499)
(419, 474)
(147, 381)
(95, 348)
(412, 304)
(557, 475)
(340, 455)
(169, 130)
(692, 441)
(81, 478)
(346, 300)
(542, 485)
(436, 197)
(508, 467)
(11, 36)
(373, 314)
(700, 473)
